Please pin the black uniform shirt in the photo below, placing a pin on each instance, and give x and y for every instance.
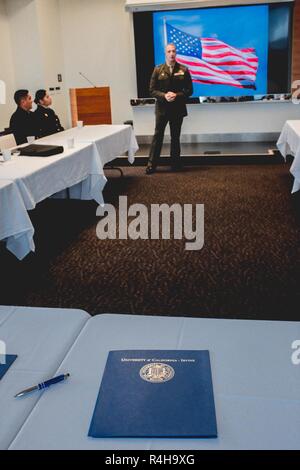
(22, 125)
(47, 121)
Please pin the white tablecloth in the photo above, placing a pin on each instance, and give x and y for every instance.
(256, 386)
(81, 169)
(110, 141)
(41, 338)
(289, 144)
(38, 178)
(15, 226)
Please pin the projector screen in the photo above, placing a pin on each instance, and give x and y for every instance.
(230, 51)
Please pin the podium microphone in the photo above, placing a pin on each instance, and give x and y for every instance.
(95, 86)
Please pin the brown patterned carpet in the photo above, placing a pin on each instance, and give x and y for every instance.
(248, 268)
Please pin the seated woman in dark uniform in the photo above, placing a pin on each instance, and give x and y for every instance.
(47, 121)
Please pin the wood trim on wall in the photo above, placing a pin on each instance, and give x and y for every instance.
(296, 42)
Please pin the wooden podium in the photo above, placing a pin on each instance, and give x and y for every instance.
(90, 105)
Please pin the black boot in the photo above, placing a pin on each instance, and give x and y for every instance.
(150, 170)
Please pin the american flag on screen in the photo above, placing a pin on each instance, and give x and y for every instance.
(213, 62)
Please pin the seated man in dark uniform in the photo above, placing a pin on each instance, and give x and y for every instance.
(47, 121)
(22, 122)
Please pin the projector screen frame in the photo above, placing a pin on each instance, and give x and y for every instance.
(135, 6)
(142, 29)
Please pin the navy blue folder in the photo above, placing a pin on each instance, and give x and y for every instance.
(167, 394)
(9, 360)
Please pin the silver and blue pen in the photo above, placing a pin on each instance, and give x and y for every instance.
(43, 385)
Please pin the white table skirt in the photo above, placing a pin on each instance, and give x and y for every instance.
(81, 170)
(15, 225)
(110, 141)
(41, 338)
(35, 179)
(40, 177)
(289, 144)
(256, 386)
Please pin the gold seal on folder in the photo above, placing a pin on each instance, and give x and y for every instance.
(157, 373)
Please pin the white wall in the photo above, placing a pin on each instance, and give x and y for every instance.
(26, 47)
(218, 119)
(98, 42)
(52, 57)
(6, 67)
(32, 31)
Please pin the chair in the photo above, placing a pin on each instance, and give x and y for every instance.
(7, 142)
